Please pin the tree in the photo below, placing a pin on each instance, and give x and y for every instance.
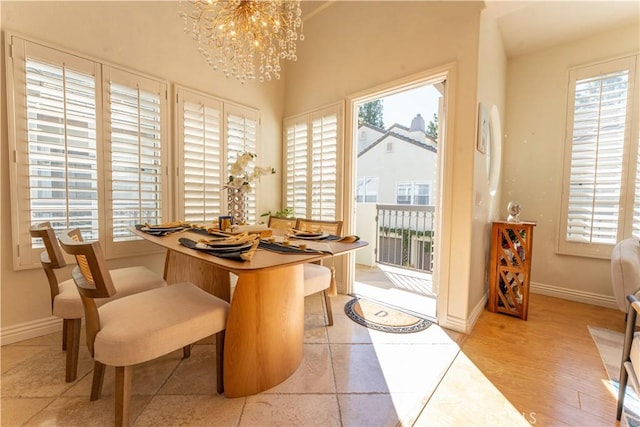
(432, 128)
(371, 113)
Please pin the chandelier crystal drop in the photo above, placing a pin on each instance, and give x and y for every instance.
(245, 39)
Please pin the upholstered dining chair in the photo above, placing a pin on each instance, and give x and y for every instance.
(65, 299)
(140, 327)
(630, 364)
(317, 277)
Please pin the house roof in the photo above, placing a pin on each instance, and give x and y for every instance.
(389, 133)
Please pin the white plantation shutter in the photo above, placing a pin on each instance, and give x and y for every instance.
(324, 166)
(312, 157)
(63, 171)
(135, 135)
(201, 177)
(54, 172)
(601, 162)
(296, 167)
(241, 130)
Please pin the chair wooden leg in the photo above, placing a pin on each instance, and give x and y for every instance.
(186, 351)
(98, 379)
(327, 305)
(220, 361)
(624, 376)
(123, 394)
(64, 333)
(71, 332)
(632, 316)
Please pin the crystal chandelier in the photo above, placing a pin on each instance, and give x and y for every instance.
(245, 39)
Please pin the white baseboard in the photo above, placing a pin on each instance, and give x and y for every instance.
(477, 311)
(464, 325)
(28, 330)
(574, 295)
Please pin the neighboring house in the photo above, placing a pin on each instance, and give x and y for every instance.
(397, 165)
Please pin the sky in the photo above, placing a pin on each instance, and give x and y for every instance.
(402, 107)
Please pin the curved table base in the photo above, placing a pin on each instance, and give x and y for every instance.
(265, 330)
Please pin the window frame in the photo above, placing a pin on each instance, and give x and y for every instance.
(311, 207)
(408, 186)
(24, 253)
(361, 182)
(415, 194)
(630, 163)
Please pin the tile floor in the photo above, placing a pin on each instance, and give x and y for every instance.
(350, 376)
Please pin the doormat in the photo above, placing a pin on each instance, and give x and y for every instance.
(380, 317)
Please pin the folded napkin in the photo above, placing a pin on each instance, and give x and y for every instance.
(348, 239)
(291, 248)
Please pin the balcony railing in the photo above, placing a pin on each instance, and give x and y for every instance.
(405, 236)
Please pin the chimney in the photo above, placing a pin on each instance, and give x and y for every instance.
(417, 124)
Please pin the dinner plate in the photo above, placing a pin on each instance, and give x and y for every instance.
(310, 236)
(234, 248)
(161, 230)
(225, 243)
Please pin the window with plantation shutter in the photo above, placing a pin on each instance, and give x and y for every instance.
(86, 143)
(241, 130)
(136, 143)
(311, 158)
(201, 176)
(54, 172)
(601, 202)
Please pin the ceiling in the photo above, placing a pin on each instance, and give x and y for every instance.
(527, 26)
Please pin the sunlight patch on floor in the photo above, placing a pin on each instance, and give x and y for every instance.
(466, 397)
(421, 305)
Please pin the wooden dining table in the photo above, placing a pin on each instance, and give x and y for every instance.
(265, 327)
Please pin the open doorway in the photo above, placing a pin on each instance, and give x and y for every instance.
(396, 185)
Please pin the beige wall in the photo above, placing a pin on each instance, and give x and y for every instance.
(533, 153)
(350, 47)
(144, 36)
(492, 70)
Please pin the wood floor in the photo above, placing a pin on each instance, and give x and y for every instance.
(548, 367)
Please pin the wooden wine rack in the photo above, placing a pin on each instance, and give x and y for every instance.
(510, 267)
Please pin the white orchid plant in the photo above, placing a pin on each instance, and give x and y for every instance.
(241, 176)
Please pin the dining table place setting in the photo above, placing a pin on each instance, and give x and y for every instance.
(320, 235)
(165, 228)
(240, 247)
(289, 245)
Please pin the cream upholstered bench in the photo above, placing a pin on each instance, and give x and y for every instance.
(625, 271)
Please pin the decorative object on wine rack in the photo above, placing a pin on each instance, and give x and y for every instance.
(242, 176)
(514, 211)
(510, 267)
